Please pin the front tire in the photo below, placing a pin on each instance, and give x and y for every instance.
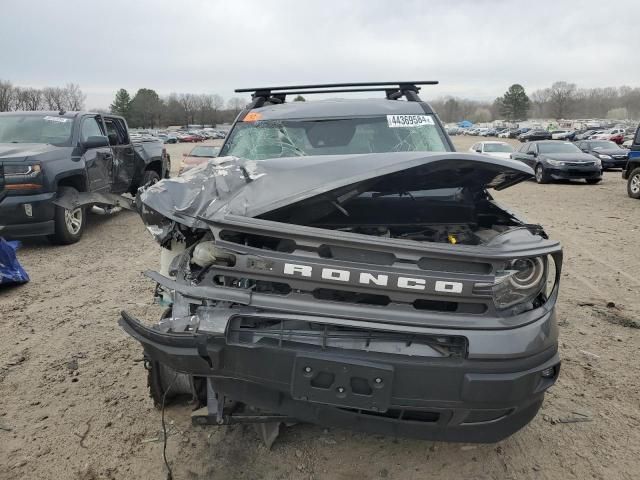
(633, 183)
(150, 177)
(69, 224)
(541, 176)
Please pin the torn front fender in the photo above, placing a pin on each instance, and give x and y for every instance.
(73, 199)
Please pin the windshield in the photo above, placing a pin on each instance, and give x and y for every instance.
(498, 147)
(558, 147)
(52, 129)
(204, 152)
(290, 138)
(601, 145)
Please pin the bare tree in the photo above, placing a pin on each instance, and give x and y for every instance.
(561, 97)
(73, 97)
(189, 103)
(235, 104)
(6, 95)
(54, 98)
(32, 98)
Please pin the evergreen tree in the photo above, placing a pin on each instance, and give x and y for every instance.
(514, 104)
(121, 104)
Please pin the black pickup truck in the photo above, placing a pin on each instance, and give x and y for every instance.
(53, 165)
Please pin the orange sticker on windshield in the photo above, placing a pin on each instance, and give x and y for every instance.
(252, 117)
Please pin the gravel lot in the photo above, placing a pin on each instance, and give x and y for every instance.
(74, 403)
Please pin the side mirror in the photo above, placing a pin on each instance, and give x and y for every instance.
(95, 141)
(478, 150)
(184, 154)
(533, 154)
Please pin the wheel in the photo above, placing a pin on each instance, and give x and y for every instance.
(593, 181)
(150, 177)
(633, 183)
(541, 176)
(69, 224)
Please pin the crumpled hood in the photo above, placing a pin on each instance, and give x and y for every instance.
(22, 151)
(251, 188)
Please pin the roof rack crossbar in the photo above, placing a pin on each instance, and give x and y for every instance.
(337, 85)
(335, 90)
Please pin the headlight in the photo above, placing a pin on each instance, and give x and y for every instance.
(21, 170)
(556, 163)
(605, 157)
(24, 176)
(598, 162)
(520, 282)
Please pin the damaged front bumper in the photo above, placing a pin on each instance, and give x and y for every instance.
(442, 397)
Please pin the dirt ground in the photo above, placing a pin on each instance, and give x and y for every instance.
(74, 403)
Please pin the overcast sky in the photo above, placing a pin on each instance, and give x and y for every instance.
(475, 48)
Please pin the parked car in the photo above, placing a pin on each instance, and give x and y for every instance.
(615, 135)
(166, 138)
(197, 156)
(489, 132)
(189, 138)
(517, 132)
(54, 165)
(557, 160)
(563, 135)
(611, 155)
(325, 277)
(584, 135)
(632, 171)
(495, 149)
(533, 135)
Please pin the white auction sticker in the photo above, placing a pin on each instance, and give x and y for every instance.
(57, 119)
(395, 121)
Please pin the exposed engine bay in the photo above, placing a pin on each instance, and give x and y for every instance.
(335, 263)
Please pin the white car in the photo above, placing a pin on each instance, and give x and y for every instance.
(493, 149)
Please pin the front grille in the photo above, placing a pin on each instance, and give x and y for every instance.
(267, 332)
(580, 164)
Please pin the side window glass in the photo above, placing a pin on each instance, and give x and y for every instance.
(90, 128)
(113, 133)
(637, 140)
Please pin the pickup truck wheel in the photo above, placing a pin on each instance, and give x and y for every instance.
(633, 183)
(541, 176)
(150, 177)
(69, 224)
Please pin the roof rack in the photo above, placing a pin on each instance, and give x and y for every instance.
(393, 90)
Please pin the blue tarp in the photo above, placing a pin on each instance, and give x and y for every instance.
(465, 124)
(11, 272)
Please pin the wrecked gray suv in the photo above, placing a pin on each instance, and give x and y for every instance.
(374, 288)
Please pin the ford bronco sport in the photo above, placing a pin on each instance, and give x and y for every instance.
(341, 264)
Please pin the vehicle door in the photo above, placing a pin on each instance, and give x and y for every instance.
(530, 155)
(519, 154)
(123, 154)
(98, 160)
(634, 150)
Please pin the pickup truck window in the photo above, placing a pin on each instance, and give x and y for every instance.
(20, 128)
(90, 128)
(115, 131)
(290, 138)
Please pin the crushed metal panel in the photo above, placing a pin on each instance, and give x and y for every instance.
(229, 185)
(73, 199)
